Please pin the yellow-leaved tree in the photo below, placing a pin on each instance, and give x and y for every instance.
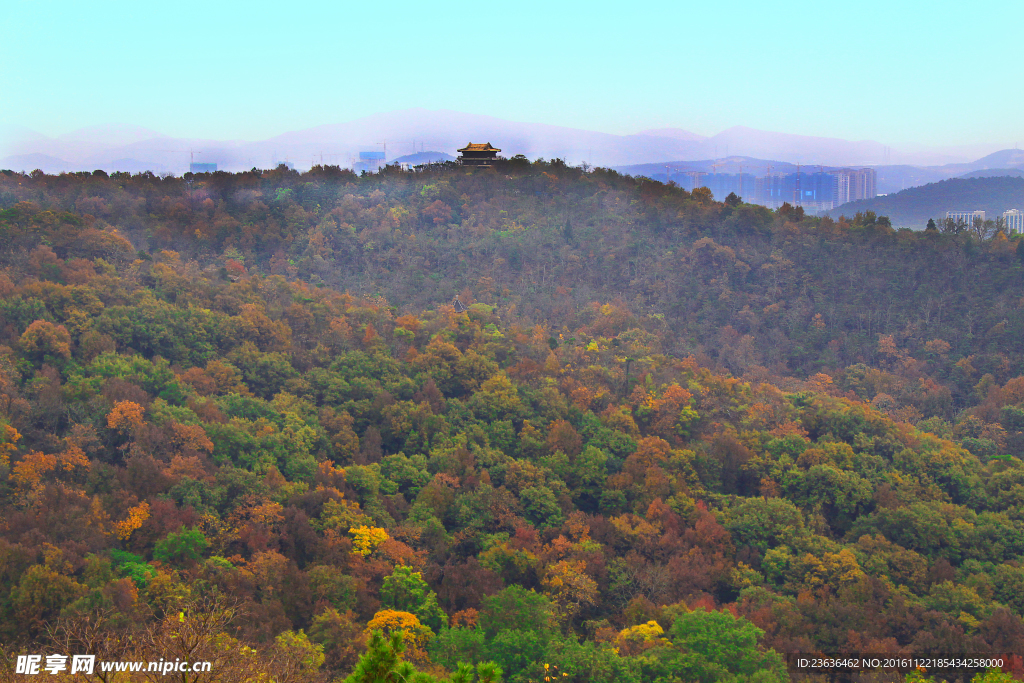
(415, 634)
(367, 538)
(635, 639)
(569, 587)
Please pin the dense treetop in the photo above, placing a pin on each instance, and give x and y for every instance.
(667, 438)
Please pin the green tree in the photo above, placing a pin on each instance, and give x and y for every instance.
(516, 608)
(541, 506)
(382, 662)
(406, 591)
(306, 656)
(41, 594)
(717, 646)
(841, 495)
(183, 547)
(764, 523)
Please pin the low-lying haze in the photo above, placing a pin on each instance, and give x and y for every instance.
(399, 133)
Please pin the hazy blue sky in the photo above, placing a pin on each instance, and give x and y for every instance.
(903, 73)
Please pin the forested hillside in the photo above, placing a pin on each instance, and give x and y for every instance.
(990, 190)
(666, 439)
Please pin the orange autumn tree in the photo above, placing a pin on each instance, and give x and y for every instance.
(126, 417)
(28, 473)
(190, 438)
(9, 436)
(71, 457)
(137, 516)
(668, 415)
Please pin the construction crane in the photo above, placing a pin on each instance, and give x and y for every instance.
(312, 159)
(797, 197)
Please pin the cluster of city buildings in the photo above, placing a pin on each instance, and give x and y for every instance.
(1013, 219)
(819, 191)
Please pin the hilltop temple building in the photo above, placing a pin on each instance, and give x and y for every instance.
(478, 154)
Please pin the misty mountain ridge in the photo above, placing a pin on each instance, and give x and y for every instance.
(995, 173)
(730, 164)
(44, 162)
(673, 133)
(111, 135)
(797, 148)
(412, 130)
(1005, 158)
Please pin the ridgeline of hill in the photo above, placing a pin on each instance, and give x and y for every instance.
(241, 421)
(913, 207)
(419, 158)
(995, 173)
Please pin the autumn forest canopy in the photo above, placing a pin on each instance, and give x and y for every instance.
(656, 438)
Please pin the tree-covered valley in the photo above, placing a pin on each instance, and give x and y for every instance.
(522, 423)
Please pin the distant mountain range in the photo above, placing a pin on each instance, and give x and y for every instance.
(401, 133)
(1007, 162)
(913, 207)
(666, 170)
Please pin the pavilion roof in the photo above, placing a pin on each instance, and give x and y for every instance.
(479, 147)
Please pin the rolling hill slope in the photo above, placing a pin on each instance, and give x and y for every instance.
(913, 207)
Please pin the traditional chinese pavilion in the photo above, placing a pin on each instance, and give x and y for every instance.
(478, 154)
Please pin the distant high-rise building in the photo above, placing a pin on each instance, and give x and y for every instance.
(1013, 221)
(853, 184)
(842, 187)
(813, 191)
(863, 184)
(196, 167)
(744, 185)
(370, 162)
(968, 218)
